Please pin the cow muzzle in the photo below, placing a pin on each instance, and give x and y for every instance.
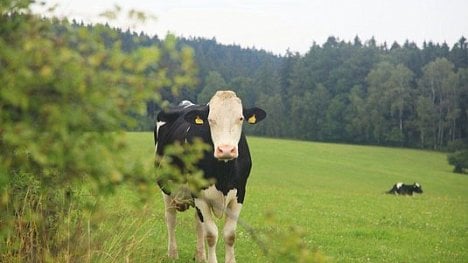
(226, 152)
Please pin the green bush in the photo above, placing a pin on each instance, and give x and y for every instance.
(459, 160)
(64, 98)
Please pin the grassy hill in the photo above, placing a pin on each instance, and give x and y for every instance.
(333, 193)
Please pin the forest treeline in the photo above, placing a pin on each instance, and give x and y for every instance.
(353, 92)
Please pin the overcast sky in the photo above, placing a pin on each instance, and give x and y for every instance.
(278, 25)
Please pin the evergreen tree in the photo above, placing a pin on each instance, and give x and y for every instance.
(214, 82)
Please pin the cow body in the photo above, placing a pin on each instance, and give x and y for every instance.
(405, 189)
(218, 124)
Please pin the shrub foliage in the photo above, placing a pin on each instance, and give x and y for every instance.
(65, 98)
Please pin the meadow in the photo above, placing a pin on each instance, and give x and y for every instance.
(333, 193)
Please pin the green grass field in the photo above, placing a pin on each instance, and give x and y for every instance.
(334, 192)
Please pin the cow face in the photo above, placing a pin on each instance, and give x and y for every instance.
(225, 117)
(417, 188)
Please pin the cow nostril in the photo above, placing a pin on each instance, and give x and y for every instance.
(220, 150)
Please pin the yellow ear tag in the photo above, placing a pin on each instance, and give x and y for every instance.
(198, 120)
(252, 119)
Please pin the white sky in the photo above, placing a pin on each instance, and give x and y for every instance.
(276, 25)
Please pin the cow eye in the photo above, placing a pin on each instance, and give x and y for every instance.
(241, 119)
(211, 121)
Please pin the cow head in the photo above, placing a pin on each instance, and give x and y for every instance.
(417, 188)
(225, 115)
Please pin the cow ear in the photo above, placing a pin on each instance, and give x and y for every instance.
(254, 115)
(198, 117)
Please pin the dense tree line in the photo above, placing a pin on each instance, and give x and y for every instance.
(354, 92)
(348, 92)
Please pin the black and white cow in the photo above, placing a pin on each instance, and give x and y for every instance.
(219, 124)
(405, 189)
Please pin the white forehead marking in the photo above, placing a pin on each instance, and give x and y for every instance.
(225, 106)
(224, 96)
(418, 185)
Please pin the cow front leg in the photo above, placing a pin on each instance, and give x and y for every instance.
(170, 216)
(210, 229)
(200, 255)
(229, 231)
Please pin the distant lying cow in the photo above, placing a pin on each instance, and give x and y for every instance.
(405, 189)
